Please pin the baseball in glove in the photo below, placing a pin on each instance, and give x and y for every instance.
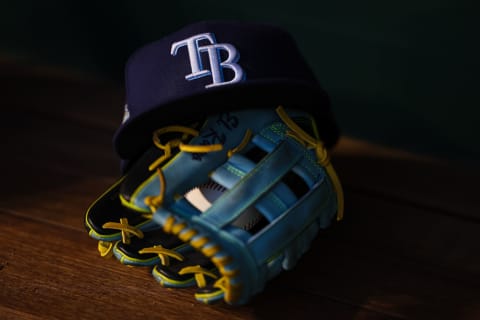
(223, 187)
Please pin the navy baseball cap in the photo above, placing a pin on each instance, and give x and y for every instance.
(216, 66)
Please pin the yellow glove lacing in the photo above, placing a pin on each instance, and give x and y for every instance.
(199, 273)
(321, 152)
(153, 202)
(105, 248)
(163, 253)
(126, 229)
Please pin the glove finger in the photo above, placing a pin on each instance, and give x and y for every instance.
(133, 253)
(173, 276)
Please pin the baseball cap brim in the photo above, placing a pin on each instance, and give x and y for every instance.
(135, 134)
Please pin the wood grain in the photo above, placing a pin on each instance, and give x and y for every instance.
(447, 187)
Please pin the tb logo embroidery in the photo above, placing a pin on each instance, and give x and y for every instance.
(216, 65)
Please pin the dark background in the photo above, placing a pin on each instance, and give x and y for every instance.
(400, 73)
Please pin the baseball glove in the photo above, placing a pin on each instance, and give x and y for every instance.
(227, 207)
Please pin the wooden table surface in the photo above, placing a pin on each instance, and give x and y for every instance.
(409, 247)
